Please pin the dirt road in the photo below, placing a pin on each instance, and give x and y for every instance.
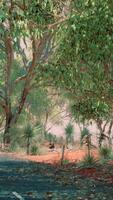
(26, 180)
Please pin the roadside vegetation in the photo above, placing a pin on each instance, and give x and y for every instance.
(56, 74)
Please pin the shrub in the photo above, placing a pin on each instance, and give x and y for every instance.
(28, 134)
(88, 161)
(34, 150)
(69, 131)
(65, 162)
(105, 152)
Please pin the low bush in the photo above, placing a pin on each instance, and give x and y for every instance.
(105, 152)
(34, 150)
(65, 162)
(88, 161)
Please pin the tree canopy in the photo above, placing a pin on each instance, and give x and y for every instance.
(28, 32)
(63, 44)
(83, 64)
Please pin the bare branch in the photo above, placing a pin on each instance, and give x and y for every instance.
(21, 78)
(104, 127)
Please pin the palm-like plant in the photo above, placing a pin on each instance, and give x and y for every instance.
(69, 131)
(86, 139)
(28, 134)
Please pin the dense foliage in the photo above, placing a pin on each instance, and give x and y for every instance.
(48, 44)
(28, 32)
(83, 66)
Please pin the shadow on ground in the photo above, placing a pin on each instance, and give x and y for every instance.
(43, 181)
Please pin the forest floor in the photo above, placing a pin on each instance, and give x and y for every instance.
(22, 179)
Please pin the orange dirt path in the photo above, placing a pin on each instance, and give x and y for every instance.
(52, 157)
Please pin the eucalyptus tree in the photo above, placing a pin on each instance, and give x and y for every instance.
(85, 57)
(83, 65)
(98, 112)
(29, 36)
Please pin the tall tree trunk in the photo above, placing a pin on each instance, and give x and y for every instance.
(8, 43)
(7, 100)
(6, 136)
(8, 119)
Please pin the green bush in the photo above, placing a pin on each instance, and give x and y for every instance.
(88, 161)
(28, 135)
(34, 150)
(105, 152)
(65, 162)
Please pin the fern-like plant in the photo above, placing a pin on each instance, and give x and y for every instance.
(88, 161)
(28, 134)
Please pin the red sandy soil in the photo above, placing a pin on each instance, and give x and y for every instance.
(52, 157)
(96, 174)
